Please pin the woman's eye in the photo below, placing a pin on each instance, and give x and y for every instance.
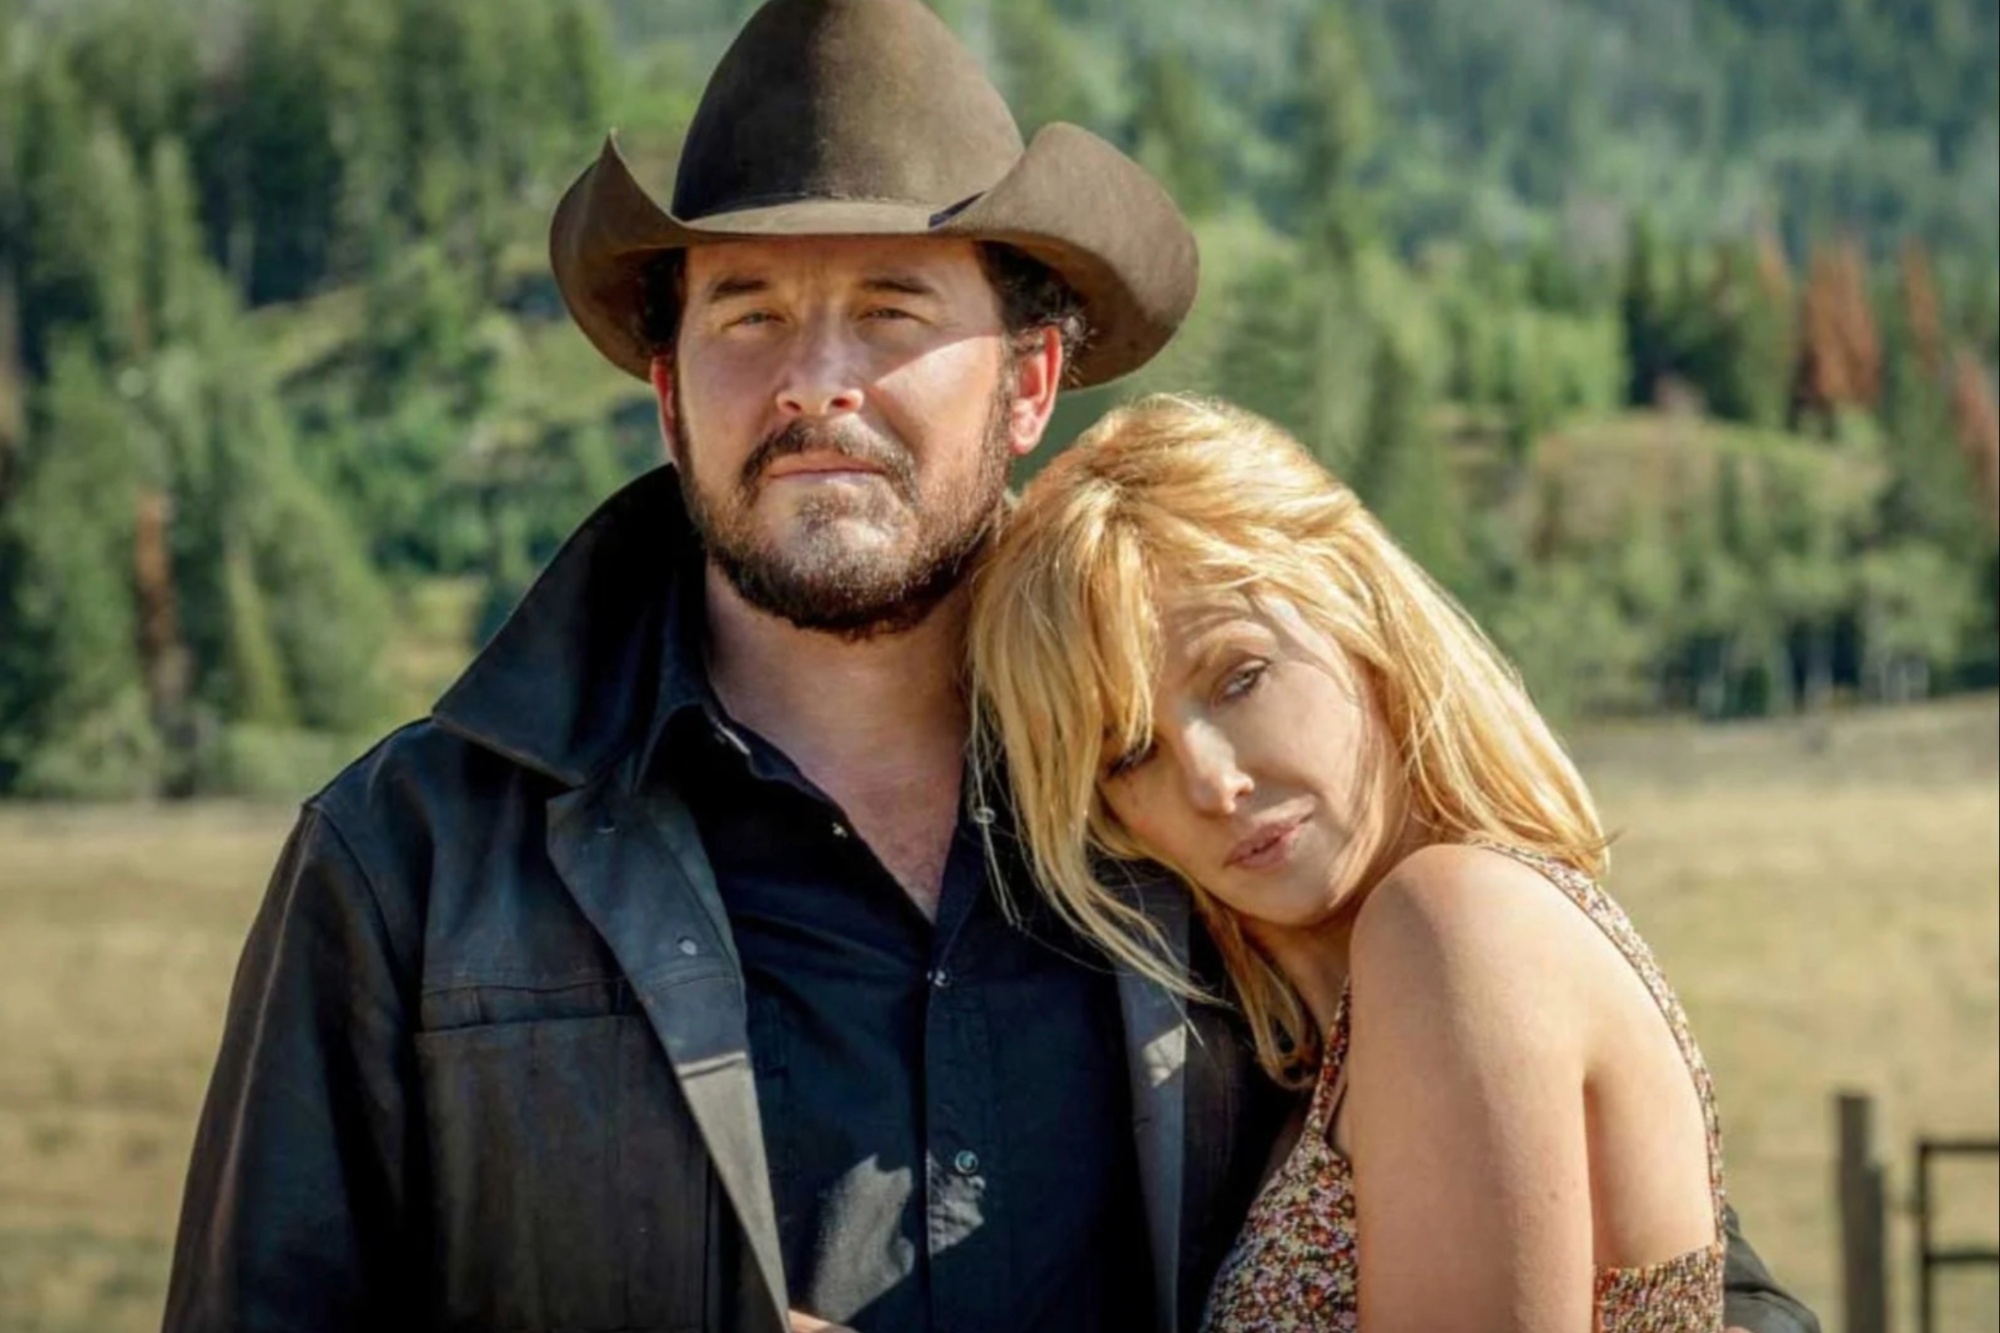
(1243, 680)
(751, 318)
(1125, 764)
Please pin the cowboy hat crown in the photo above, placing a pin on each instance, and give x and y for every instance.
(869, 118)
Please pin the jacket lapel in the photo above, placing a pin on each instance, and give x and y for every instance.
(1156, 1037)
(659, 912)
(567, 689)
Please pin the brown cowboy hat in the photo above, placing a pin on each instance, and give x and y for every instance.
(867, 118)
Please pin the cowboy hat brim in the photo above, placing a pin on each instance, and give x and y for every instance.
(1071, 200)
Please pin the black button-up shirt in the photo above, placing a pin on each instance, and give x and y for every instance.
(944, 1105)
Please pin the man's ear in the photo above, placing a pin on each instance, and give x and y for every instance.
(661, 373)
(1038, 371)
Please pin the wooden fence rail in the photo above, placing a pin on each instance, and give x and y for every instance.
(1862, 1196)
(1931, 1258)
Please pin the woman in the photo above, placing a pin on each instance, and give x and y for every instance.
(1197, 649)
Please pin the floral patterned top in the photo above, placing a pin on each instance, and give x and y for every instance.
(1296, 1266)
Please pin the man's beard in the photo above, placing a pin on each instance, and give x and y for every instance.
(821, 581)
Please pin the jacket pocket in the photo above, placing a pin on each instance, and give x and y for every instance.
(572, 1190)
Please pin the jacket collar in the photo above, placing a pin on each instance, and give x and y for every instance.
(568, 685)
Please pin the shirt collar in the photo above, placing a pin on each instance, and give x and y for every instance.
(687, 696)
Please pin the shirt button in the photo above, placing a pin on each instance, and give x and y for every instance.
(688, 946)
(966, 1162)
(839, 830)
(982, 815)
(941, 977)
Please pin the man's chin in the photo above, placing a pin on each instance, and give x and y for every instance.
(839, 540)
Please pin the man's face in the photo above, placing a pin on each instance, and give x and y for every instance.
(843, 413)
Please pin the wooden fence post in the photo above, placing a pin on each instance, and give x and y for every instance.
(1859, 1187)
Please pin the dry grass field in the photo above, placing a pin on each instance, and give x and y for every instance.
(1826, 898)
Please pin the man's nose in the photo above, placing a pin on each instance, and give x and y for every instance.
(822, 377)
(1215, 780)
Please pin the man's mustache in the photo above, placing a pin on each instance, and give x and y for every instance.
(845, 437)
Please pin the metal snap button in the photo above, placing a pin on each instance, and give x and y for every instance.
(966, 1162)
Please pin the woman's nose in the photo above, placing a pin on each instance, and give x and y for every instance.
(1215, 780)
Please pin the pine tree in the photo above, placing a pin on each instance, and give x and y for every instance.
(275, 149)
(1403, 473)
(1042, 65)
(78, 247)
(1935, 493)
(1171, 128)
(1332, 124)
(1840, 365)
(141, 62)
(74, 719)
(1977, 418)
(180, 285)
(1643, 308)
(1744, 366)
(1711, 608)
(1923, 317)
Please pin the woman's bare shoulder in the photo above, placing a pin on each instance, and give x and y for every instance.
(1470, 922)
(1449, 895)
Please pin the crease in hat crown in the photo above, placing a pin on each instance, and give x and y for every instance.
(869, 117)
(819, 81)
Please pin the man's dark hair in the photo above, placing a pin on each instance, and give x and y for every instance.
(1033, 297)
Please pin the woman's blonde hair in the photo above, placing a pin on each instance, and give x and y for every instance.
(1066, 644)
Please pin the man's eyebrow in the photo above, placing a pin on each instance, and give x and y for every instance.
(734, 284)
(899, 284)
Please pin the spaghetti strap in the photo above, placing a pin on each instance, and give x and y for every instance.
(1330, 1088)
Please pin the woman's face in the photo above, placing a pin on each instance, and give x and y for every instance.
(1267, 779)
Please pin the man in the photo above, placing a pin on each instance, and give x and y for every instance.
(661, 980)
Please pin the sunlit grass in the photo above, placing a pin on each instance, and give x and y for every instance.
(1825, 897)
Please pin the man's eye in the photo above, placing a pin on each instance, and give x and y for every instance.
(750, 318)
(889, 312)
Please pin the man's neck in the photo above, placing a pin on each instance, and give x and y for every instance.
(820, 697)
(879, 724)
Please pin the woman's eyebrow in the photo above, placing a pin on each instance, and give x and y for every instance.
(1215, 642)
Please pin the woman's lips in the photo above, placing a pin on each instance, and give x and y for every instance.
(1267, 847)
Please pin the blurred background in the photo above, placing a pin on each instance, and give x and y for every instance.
(1664, 331)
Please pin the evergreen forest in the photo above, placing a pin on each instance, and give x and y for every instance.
(1664, 332)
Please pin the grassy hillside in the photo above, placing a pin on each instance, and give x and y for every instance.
(1825, 897)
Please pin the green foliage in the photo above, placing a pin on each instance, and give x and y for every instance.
(73, 716)
(78, 247)
(1171, 128)
(1333, 129)
(1401, 470)
(272, 280)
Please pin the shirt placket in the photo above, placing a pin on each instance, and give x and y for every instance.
(962, 1150)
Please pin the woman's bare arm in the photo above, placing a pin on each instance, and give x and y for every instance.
(1465, 1110)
